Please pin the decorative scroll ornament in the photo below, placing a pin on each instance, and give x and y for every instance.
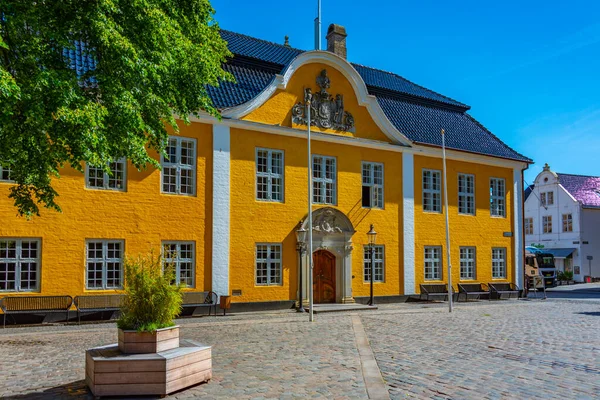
(327, 223)
(325, 111)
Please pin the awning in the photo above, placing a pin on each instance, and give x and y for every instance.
(559, 253)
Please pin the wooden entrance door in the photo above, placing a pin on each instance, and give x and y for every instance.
(323, 277)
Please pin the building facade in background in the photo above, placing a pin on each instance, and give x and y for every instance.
(232, 192)
(562, 214)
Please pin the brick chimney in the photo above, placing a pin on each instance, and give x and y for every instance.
(336, 40)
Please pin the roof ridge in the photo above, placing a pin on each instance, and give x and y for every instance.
(263, 40)
(495, 137)
(413, 83)
(582, 176)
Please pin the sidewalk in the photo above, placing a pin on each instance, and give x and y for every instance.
(588, 287)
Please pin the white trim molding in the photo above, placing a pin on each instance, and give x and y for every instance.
(519, 256)
(408, 213)
(426, 151)
(221, 208)
(340, 64)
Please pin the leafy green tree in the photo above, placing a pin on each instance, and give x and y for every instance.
(153, 60)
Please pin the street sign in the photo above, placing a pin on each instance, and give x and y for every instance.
(590, 258)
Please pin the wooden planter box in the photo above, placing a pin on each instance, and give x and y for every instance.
(133, 342)
(109, 372)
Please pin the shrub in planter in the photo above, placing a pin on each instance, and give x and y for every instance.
(568, 275)
(561, 276)
(152, 300)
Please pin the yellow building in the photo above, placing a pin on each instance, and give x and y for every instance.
(231, 196)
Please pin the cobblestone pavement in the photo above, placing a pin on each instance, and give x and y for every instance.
(516, 349)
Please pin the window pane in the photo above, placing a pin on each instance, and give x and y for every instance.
(169, 179)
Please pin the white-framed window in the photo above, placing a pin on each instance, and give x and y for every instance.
(529, 226)
(379, 260)
(96, 178)
(372, 185)
(178, 173)
(548, 200)
(499, 263)
(104, 264)
(268, 264)
(433, 263)
(567, 222)
(181, 255)
(466, 194)
(324, 180)
(497, 197)
(19, 265)
(432, 190)
(468, 263)
(547, 223)
(5, 174)
(269, 175)
(543, 198)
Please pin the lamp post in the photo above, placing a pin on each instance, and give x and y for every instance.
(300, 246)
(372, 235)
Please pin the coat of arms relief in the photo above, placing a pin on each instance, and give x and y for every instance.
(325, 111)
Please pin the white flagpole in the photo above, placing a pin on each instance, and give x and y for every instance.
(318, 27)
(447, 224)
(310, 220)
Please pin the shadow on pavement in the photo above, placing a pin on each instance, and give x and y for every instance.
(592, 313)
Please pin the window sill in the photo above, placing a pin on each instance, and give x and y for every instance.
(467, 214)
(498, 216)
(432, 212)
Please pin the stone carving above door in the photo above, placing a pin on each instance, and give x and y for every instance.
(329, 220)
(326, 111)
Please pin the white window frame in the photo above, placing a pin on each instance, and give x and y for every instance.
(435, 192)
(550, 198)
(270, 176)
(320, 183)
(435, 261)
(18, 260)
(273, 264)
(178, 167)
(499, 263)
(468, 263)
(529, 226)
(567, 222)
(543, 198)
(466, 194)
(497, 200)
(106, 178)
(7, 171)
(379, 259)
(547, 224)
(105, 260)
(376, 192)
(178, 260)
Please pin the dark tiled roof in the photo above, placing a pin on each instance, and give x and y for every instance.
(585, 189)
(415, 111)
(80, 59)
(263, 50)
(376, 78)
(528, 191)
(279, 54)
(250, 82)
(423, 124)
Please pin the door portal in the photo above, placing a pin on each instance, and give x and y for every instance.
(324, 277)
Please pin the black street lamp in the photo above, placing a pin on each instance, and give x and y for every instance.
(300, 247)
(372, 235)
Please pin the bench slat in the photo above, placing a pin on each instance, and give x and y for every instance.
(35, 303)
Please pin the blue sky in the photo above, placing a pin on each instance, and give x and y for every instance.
(529, 69)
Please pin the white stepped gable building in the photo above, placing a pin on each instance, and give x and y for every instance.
(562, 213)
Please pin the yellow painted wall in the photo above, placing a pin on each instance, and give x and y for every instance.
(278, 109)
(481, 231)
(141, 216)
(255, 221)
